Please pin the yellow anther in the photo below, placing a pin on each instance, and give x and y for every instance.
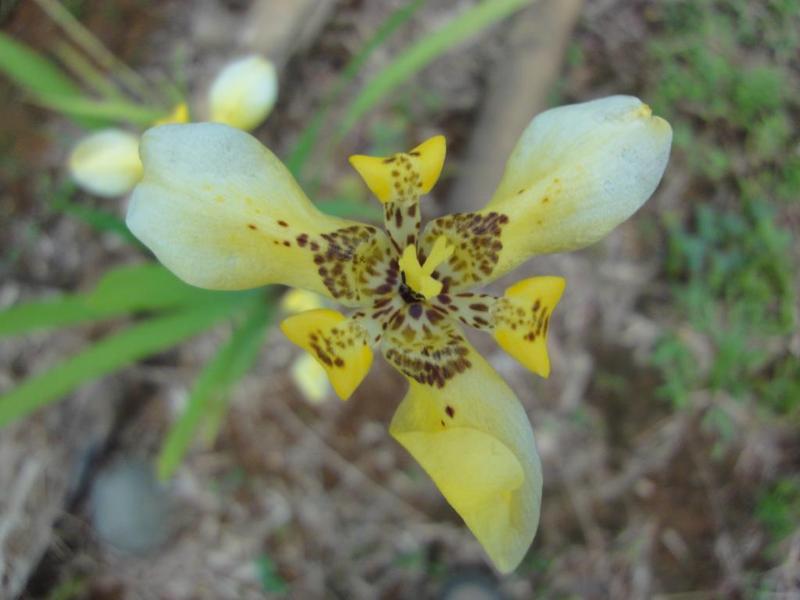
(418, 277)
(179, 114)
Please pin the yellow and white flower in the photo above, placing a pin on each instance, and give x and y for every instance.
(222, 212)
(242, 95)
(106, 163)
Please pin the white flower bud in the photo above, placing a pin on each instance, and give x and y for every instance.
(244, 93)
(107, 163)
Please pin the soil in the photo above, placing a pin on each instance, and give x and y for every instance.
(639, 502)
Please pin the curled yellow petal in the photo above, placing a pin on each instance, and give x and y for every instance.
(405, 175)
(339, 344)
(522, 319)
(467, 430)
(107, 163)
(430, 156)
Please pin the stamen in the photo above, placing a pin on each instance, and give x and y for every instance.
(418, 277)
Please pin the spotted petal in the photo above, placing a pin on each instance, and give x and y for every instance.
(576, 173)
(222, 212)
(340, 345)
(467, 429)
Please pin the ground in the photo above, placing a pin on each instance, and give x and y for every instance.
(668, 429)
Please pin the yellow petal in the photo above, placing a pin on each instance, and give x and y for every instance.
(404, 175)
(297, 300)
(244, 93)
(576, 173)
(339, 344)
(522, 319)
(179, 114)
(431, 155)
(310, 378)
(373, 171)
(107, 163)
(222, 212)
(467, 430)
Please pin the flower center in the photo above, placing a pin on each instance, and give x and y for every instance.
(418, 278)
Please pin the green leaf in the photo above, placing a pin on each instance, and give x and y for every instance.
(308, 138)
(423, 52)
(37, 75)
(125, 290)
(32, 72)
(271, 580)
(346, 208)
(98, 219)
(107, 110)
(110, 354)
(207, 398)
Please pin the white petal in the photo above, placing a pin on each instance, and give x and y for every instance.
(244, 93)
(222, 212)
(577, 172)
(107, 163)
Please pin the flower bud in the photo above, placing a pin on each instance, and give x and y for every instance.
(107, 163)
(244, 93)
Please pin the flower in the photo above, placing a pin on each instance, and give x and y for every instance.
(106, 163)
(307, 374)
(244, 93)
(310, 378)
(222, 212)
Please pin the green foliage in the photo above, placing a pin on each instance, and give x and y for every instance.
(309, 136)
(107, 110)
(739, 258)
(733, 278)
(38, 76)
(779, 507)
(110, 354)
(207, 399)
(271, 580)
(33, 72)
(122, 291)
(721, 72)
(678, 370)
(779, 390)
(420, 54)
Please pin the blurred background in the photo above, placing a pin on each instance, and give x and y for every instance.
(669, 429)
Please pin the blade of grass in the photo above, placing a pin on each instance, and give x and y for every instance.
(90, 75)
(107, 110)
(61, 195)
(37, 75)
(308, 138)
(110, 354)
(98, 219)
(207, 398)
(125, 290)
(32, 71)
(423, 52)
(95, 48)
